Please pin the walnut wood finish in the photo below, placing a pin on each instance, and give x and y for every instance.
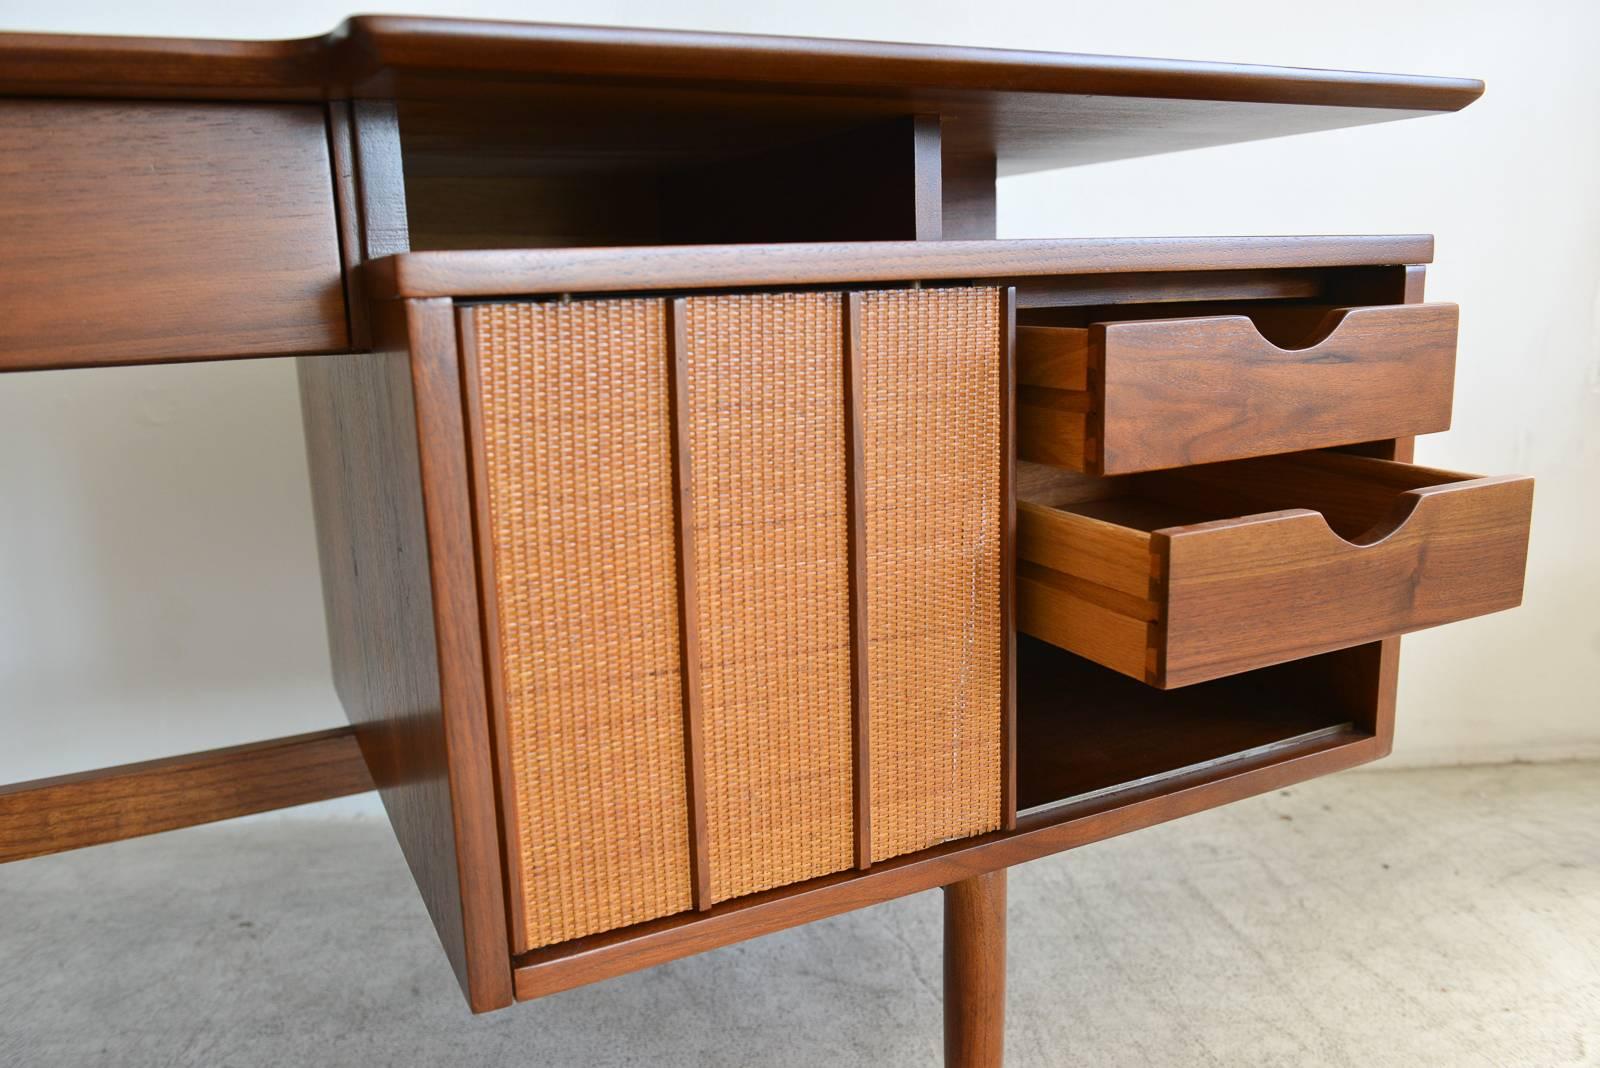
(975, 971)
(386, 444)
(1366, 677)
(140, 232)
(688, 585)
(499, 174)
(615, 953)
(1008, 558)
(109, 804)
(1330, 551)
(436, 380)
(625, 108)
(966, 195)
(493, 273)
(855, 488)
(1098, 730)
(1030, 110)
(1123, 397)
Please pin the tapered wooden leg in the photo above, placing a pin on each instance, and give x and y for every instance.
(975, 971)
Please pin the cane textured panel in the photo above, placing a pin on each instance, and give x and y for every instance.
(930, 361)
(766, 433)
(577, 443)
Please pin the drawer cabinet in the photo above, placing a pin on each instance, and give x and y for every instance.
(742, 568)
(726, 556)
(1125, 396)
(1209, 571)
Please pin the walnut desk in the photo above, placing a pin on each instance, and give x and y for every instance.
(720, 529)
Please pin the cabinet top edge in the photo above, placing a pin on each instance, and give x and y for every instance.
(535, 272)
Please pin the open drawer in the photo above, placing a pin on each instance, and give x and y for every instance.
(1195, 574)
(1144, 395)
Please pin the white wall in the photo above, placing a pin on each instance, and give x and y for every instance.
(158, 581)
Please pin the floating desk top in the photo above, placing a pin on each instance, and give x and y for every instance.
(1031, 110)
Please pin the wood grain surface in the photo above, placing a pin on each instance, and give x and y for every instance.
(1099, 730)
(975, 971)
(1027, 109)
(495, 273)
(141, 232)
(619, 952)
(109, 804)
(1227, 567)
(1278, 586)
(1122, 397)
(362, 417)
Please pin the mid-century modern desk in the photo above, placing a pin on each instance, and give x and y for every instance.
(720, 529)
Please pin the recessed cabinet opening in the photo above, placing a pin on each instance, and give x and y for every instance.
(572, 169)
(1084, 731)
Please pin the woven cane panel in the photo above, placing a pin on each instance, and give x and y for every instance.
(930, 364)
(766, 431)
(578, 447)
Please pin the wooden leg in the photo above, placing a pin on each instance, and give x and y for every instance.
(975, 971)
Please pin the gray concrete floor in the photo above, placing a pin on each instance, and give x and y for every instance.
(1385, 918)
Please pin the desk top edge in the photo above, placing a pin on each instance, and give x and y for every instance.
(364, 56)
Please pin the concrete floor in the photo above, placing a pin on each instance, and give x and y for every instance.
(1387, 918)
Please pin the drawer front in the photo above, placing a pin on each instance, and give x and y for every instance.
(1311, 553)
(1146, 395)
(742, 562)
(144, 231)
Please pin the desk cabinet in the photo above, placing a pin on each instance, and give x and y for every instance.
(720, 529)
(752, 552)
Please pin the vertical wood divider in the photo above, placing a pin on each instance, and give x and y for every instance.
(1008, 560)
(489, 611)
(856, 497)
(688, 632)
(441, 436)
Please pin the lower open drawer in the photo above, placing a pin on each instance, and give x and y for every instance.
(1181, 576)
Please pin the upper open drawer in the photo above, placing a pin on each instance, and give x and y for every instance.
(1143, 395)
(1203, 572)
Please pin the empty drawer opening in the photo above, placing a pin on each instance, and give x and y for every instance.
(1084, 732)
